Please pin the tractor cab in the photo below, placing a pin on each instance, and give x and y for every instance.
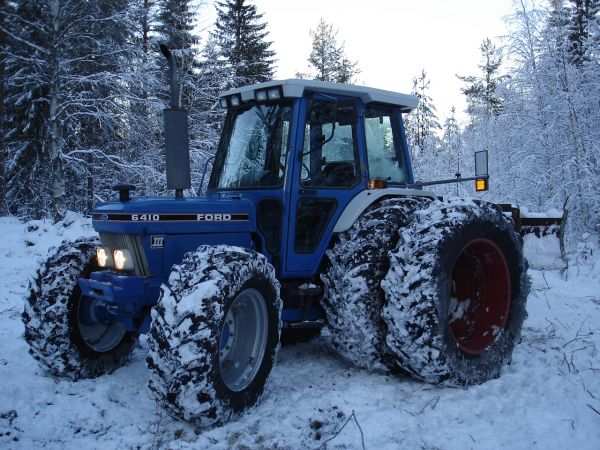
(298, 161)
(302, 151)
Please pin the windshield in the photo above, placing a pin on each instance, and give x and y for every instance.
(253, 149)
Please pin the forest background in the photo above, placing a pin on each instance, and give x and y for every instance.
(83, 88)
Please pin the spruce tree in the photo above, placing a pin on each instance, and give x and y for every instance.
(243, 42)
(583, 15)
(422, 122)
(3, 209)
(482, 91)
(176, 21)
(327, 60)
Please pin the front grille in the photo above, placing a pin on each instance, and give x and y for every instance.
(133, 244)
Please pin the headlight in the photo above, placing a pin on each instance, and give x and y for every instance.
(104, 257)
(123, 260)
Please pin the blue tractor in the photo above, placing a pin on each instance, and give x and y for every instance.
(312, 217)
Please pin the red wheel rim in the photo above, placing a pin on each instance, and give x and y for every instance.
(480, 295)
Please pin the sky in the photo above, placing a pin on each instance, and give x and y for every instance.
(392, 40)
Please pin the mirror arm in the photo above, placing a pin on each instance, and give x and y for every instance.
(448, 181)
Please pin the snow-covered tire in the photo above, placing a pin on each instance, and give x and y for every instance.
(456, 293)
(194, 358)
(52, 327)
(353, 296)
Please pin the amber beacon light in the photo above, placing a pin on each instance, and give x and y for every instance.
(481, 184)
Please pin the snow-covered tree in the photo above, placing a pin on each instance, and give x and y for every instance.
(68, 79)
(584, 15)
(451, 144)
(243, 42)
(422, 123)
(327, 60)
(544, 143)
(3, 209)
(482, 91)
(175, 28)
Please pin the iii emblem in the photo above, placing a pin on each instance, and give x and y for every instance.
(157, 241)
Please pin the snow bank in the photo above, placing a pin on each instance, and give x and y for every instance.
(543, 252)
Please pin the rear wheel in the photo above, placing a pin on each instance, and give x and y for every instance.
(456, 293)
(214, 334)
(56, 330)
(353, 296)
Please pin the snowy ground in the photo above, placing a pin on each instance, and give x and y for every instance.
(549, 398)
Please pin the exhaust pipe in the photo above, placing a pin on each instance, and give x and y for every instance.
(177, 141)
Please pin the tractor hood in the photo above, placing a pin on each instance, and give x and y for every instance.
(166, 215)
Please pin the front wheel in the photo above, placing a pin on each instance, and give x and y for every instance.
(214, 334)
(455, 293)
(59, 339)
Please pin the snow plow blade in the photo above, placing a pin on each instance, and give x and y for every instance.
(542, 236)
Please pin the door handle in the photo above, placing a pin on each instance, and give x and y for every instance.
(308, 192)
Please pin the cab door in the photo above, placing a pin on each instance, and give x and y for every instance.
(327, 174)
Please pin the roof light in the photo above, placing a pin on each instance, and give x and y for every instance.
(274, 94)
(223, 103)
(235, 100)
(260, 96)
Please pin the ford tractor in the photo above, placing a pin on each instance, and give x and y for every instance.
(312, 217)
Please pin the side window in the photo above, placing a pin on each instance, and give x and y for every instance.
(384, 147)
(329, 156)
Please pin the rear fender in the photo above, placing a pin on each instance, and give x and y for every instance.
(364, 199)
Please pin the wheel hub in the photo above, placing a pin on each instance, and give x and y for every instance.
(243, 339)
(480, 296)
(99, 335)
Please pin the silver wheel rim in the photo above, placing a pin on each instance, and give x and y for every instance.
(101, 338)
(243, 339)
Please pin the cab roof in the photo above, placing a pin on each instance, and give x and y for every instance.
(294, 88)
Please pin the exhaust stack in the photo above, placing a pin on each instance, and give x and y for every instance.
(177, 140)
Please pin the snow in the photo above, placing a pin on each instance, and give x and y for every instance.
(543, 252)
(549, 397)
(552, 213)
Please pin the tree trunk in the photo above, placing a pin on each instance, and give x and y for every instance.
(57, 208)
(2, 128)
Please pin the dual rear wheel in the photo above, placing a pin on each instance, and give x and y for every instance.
(447, 297)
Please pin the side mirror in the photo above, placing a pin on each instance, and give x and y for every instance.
(347, 111)
(481, 163)
(481, 171)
